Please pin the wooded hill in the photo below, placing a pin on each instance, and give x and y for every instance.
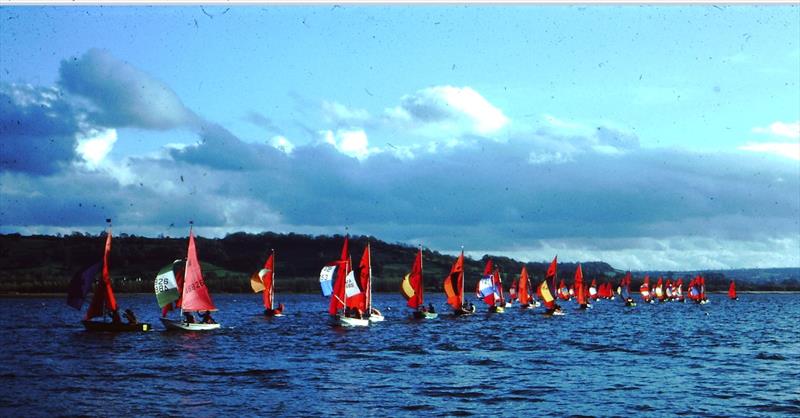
(43, 264)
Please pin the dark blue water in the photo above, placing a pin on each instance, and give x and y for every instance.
(722, 359)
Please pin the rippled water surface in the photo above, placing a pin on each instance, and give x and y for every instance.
(722, 359)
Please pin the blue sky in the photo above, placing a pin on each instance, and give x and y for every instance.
(646, 136)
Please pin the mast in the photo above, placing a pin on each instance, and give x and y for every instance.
(272, 283)
(369, 282)
(421, 282)
(183, 291)
(461, 279)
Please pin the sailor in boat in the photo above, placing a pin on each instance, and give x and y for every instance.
(188, 318)
(556, 308)
(206, 318)
(129, 316)
(430, 308)
(115, 317)
(276, 311)
(629, 302)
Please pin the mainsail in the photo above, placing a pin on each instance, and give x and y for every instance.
(195, 293)
(522, 287)
(103, 299)
(263, 280)
(412, 286)
(454, 283)
(580, 289)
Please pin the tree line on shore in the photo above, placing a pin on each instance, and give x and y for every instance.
(45, 264)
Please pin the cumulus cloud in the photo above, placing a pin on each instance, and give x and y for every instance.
(448, 109)
(38, 127)
(122, 94)
(629, 208)
(783, 129)
(353, 143)
(94, 146)
(341, 115)
(219, 148)
(280, 142)
(783, 149)
(585, 189)
(787, 132)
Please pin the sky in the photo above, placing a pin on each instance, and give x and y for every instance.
(646, 136)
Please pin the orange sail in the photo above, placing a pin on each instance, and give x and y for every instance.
(103, 299)
(454, 283)
(267, 275)
(522, 287)
(732, 290)
(195, 292)
(412, 286)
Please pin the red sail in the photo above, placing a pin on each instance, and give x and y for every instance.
(454, 283)
(343, 267)
(269, 266)
(552, 271)
(195, 292)
(732, 290)
(362, 300)
(522, 287)
(415, 280)
(580, 289)
(103, 294)
(644, 289)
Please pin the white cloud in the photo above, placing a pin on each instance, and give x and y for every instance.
(783, 129)
(448, 109)
(95, 145)
(280, 142)
(783, 149)
(339, 113)
(353, 143)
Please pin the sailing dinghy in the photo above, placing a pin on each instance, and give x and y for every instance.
(454, 288)
(625, 290)
(413, 287)
(365, 278)
(732, 291)
(337, 281)
(489, 287)
(264, 280)
(193, 295)
(580, 289)
(104, 303)
(526, 301)
(550, 305)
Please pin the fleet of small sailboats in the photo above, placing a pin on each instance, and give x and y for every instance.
(180, 285)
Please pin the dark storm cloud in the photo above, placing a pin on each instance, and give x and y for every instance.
(123, 95)
(37, 129)
(220, 149)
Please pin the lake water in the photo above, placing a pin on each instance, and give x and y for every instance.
(722, 359)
